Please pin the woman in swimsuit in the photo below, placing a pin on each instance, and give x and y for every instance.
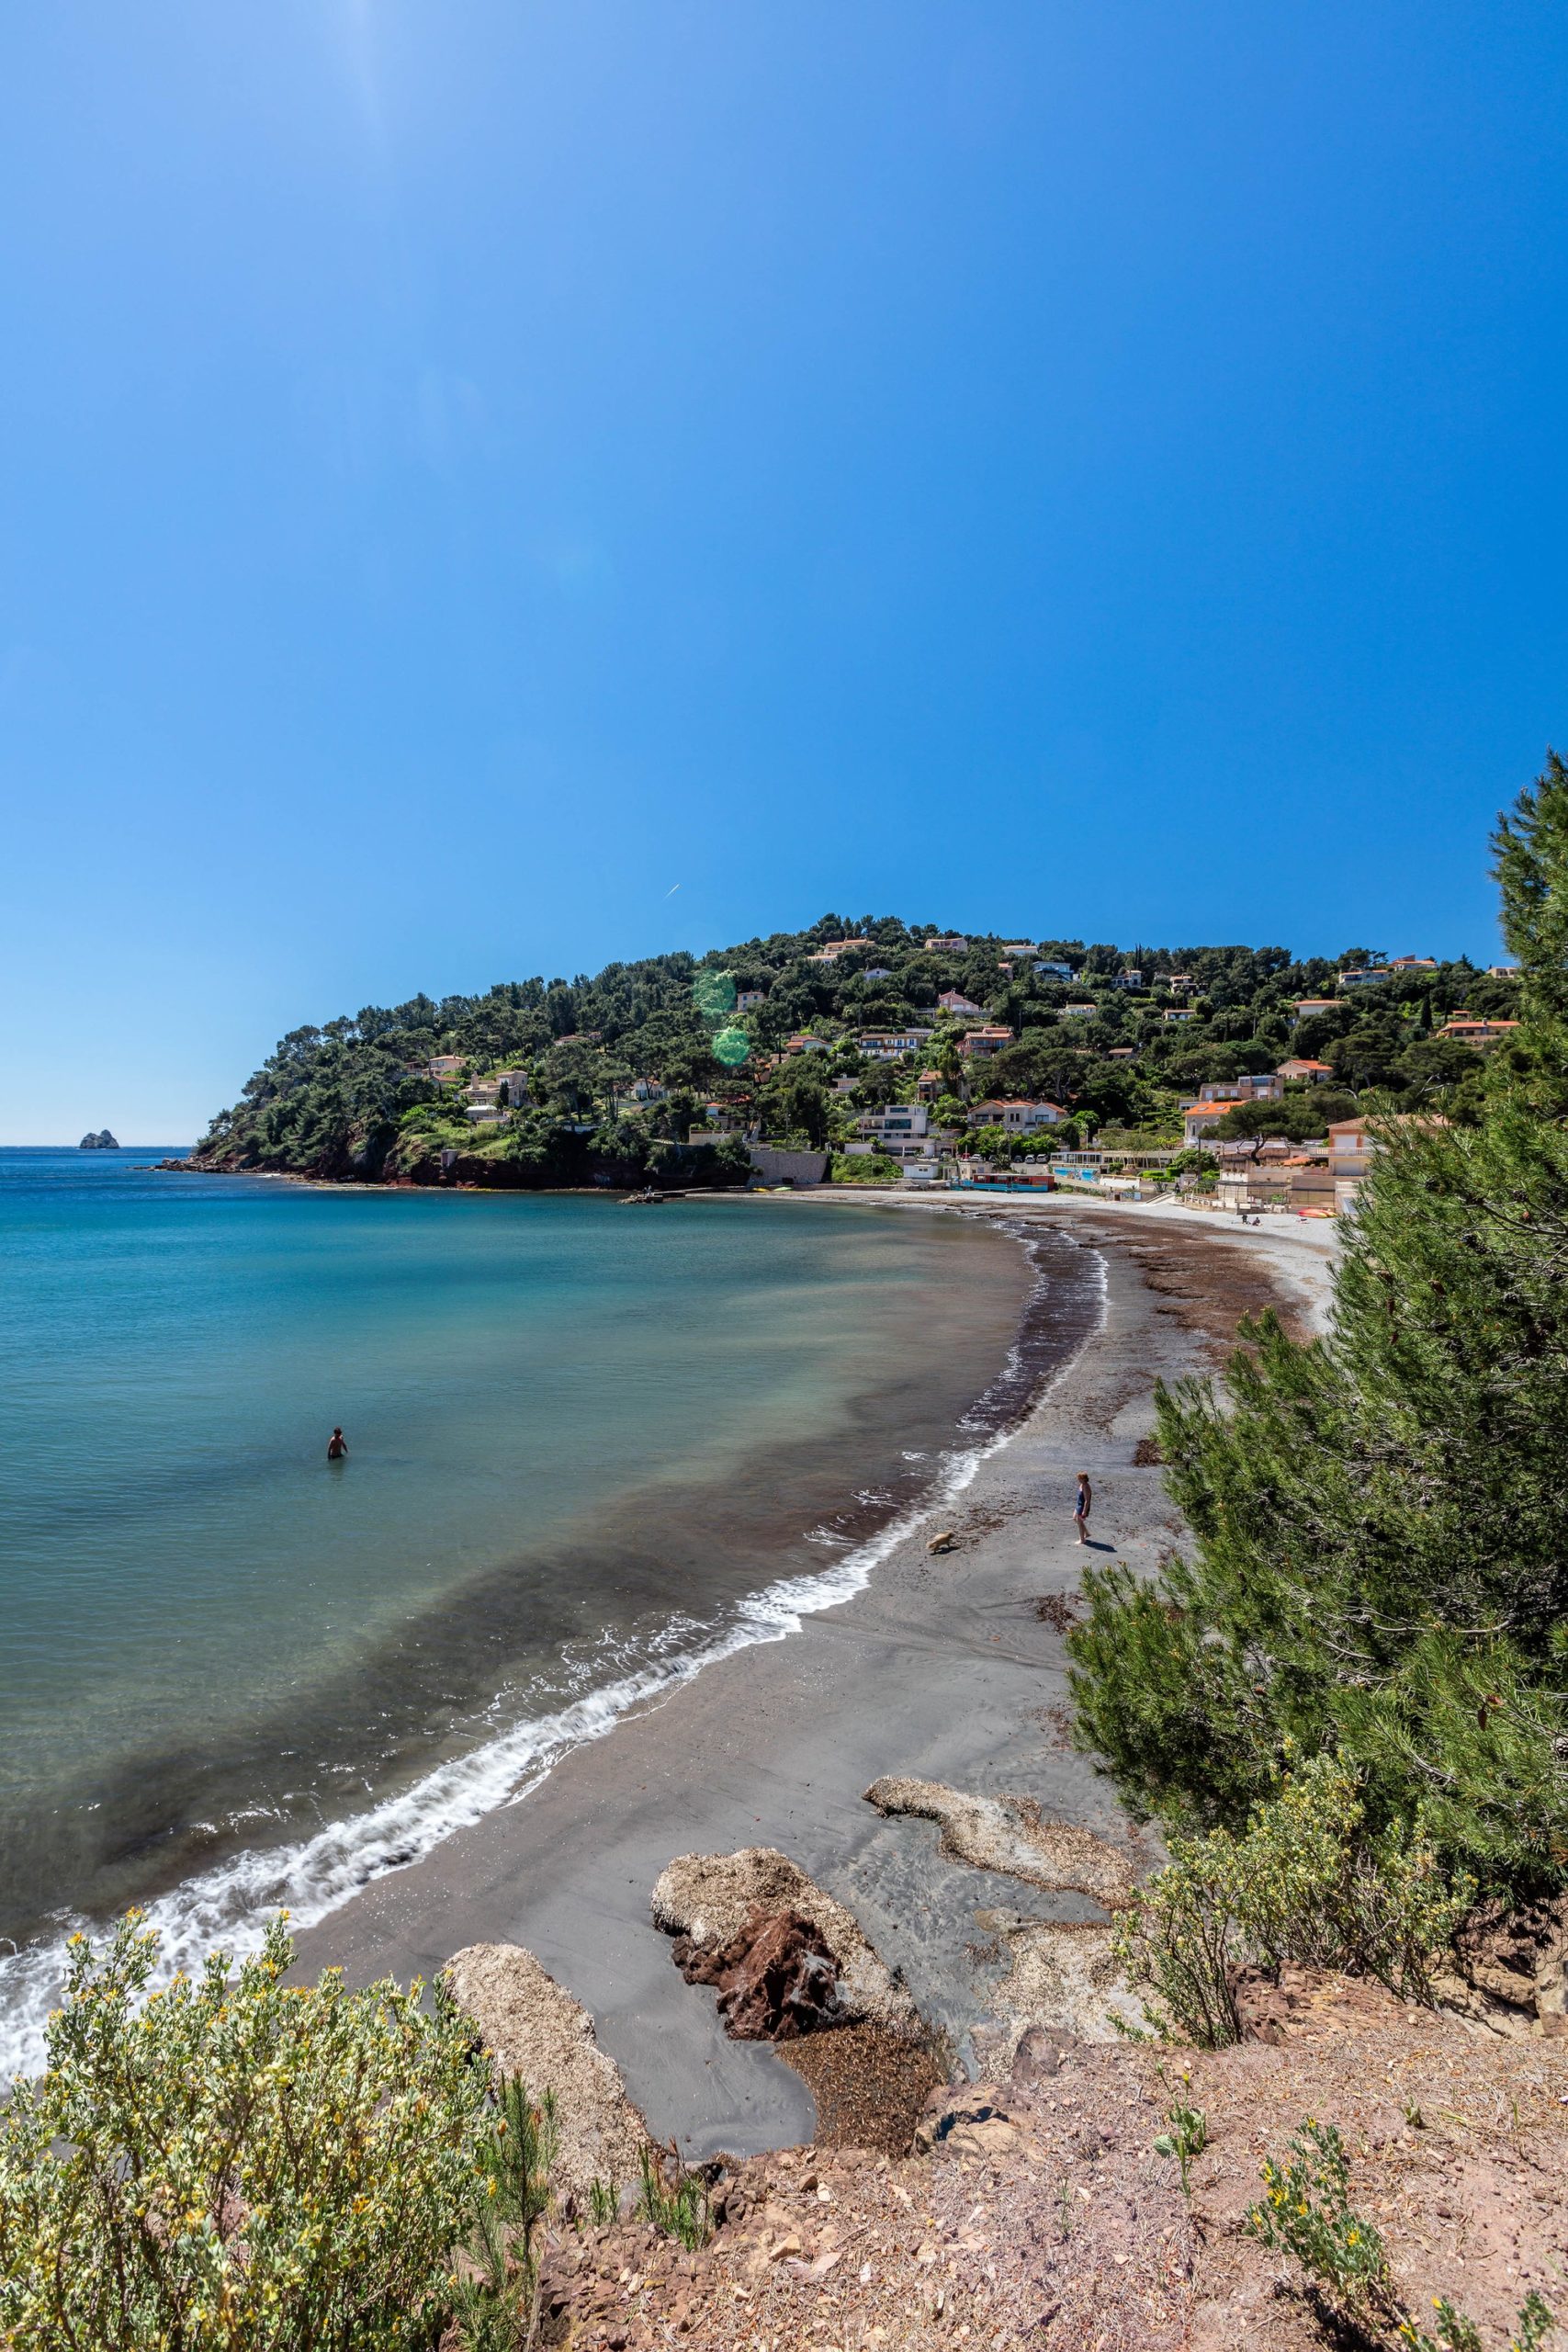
(1083, 1506)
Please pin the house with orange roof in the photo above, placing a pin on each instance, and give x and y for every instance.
(990, 1040)
(1199, 1118)
(1298, 1067)
(831, 949)
(1468, 1031)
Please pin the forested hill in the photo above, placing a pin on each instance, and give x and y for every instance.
(358, 1098)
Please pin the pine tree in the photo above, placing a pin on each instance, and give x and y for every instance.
(1381, 1516)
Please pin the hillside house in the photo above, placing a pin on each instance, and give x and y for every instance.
(1267, 1087)
(1466, 1030)
(1079, 1011)
(1351, 1150)
(1199, 1118)
(1403, 968)
(895, 1123)
(887, 1044)
(1178, 1013)
(982, 1042)
(1314, 1073)
(947, 943)
(443, 1068)
(748, 999)
(640, 1092)
(831, 949)
(804, 1041)
(1049, 971)
(929, 1085)
(516, 1084)
(953, 1000)
(1305, 1006)
(1016, 1115)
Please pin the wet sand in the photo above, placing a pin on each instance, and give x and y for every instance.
(942, 1669)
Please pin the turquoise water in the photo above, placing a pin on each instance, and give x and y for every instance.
(590, 1446)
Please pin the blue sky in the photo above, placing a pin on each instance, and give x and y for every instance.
(474, 470)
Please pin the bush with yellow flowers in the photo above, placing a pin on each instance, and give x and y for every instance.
(234, 2165)
(1305, 2211)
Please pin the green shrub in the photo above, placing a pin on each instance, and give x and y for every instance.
(1305, 2211)
(674, 2201)
(233, 2165)
(1186, 2140)
(497, 2272)
(1303, 1882)
(863, 1168)
(603, 2200)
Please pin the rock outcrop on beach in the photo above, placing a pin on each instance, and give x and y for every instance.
(775, 1977)
(533, 2027)
(1011, 1834)
(707, 1899)
(1062, 1976)
(101, 1141)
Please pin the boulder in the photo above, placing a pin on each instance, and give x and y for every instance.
(707, 1899)
(776, 1978)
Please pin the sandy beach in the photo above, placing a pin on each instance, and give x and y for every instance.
(943, 1670)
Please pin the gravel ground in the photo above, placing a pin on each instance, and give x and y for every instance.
(1044, 2218)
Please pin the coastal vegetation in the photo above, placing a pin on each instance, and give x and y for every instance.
(659, 1070)
(1379, 1570)
(233, 2164)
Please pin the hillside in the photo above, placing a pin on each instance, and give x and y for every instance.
(1115, 1036)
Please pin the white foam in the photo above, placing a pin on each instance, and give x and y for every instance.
(227, 1906)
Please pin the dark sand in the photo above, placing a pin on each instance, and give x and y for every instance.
(942, 1669)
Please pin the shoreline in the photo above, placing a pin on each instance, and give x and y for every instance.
(937, 1667)
(319, 1865)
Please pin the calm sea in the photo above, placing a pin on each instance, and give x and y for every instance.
(590, 1448)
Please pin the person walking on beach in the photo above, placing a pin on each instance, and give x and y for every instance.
(337, 1447)
(1083, 1506)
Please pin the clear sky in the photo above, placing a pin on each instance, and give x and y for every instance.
(490, 487)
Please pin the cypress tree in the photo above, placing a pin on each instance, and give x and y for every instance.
(1379, 1516)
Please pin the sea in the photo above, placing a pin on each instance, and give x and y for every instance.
(591, 1447)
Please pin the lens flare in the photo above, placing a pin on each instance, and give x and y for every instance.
(714, 995)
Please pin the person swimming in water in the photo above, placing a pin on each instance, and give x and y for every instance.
(337, 1447)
